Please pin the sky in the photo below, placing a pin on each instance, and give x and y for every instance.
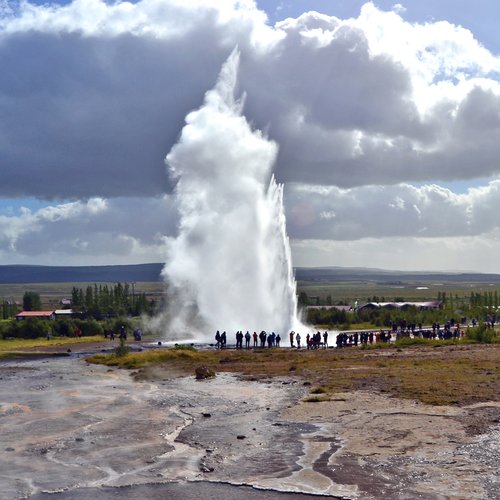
(386, 116)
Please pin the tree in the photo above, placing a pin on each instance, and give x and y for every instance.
(9, 309)
(31, 301)
(76, 298)
(303, 299)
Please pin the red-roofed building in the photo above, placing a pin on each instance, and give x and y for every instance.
(36, 314)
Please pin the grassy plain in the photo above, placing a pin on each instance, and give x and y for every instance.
(18, 344)
(347, 291)
(26, 348)
(446, 373)
(362, 291)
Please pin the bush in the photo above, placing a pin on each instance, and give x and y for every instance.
(30, 328)
(116, 323)
(123, 349)
(481, 334)
(89, 327)
(63, 327)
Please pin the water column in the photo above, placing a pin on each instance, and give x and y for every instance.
(230, 266)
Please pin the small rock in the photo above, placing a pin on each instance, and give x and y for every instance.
(240, 436)
(203, 372)
(207, 415)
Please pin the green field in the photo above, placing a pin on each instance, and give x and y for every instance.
(363, 291)
(350, 291)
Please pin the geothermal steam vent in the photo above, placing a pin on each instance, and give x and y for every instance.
(229, 267)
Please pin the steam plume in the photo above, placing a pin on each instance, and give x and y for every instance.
(230, 267)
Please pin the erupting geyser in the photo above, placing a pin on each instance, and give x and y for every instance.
(230, 266)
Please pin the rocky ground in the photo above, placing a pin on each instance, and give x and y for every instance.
(75, 431)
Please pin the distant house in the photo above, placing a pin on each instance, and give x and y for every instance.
(36, 314)
(432, 304)
(65, 302)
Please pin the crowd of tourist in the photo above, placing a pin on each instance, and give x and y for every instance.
(450, 330)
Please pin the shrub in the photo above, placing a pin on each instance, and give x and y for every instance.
(116, 323)
(89, 327)
(63, 327)
(30, 328)
(481, 334)
(122, 349)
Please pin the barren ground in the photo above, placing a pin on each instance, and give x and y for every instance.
(75, 431)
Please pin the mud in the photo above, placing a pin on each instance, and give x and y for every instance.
(72, 430)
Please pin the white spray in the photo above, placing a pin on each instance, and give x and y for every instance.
(230, 266)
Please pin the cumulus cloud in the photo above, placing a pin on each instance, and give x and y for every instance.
(430, 211)
(92, 231)
(457, 253)
(97, 92)
(363, 109)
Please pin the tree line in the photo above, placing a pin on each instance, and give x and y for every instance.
(96, 301)
(103, 301)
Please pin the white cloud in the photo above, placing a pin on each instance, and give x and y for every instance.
(121, 230)
(457, 253)
(96, 95)
(390, 211)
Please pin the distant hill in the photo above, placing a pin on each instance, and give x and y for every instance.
(152, 273)
(332, 274)
(80, 274)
